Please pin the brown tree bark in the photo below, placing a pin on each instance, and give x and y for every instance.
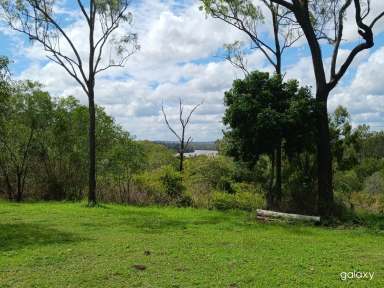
(324, 160)
(92, 150)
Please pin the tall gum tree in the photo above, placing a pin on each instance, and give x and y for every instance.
(247, 16)
(42, 22)
(324, 21)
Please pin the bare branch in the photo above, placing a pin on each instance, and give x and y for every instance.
(376, 19)
(339, 35)
(169, 126)
(183, 145)
(286, 4)
(82, 8)
(247, 17)
(366, 33)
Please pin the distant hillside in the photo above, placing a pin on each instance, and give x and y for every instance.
(194, 145)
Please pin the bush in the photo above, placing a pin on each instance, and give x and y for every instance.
(171, 181)
(243, 201)
(372, 203)
(223, 201)
(211, 172)
(244, 187)
(345, 183)
(374, 184)
(368, 166)
(162, 186)
(249, 201)
(299, 185)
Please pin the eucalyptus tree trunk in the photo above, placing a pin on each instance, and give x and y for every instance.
(92, 149)
(324, 158)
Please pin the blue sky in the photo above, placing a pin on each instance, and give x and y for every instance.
(179, 58)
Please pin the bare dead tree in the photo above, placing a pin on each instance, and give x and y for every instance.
(321, 20)
(247, 17)
(183, 143)
(39, 20)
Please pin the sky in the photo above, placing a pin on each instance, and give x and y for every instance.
(181, 56)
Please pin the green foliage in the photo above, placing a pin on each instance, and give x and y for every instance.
(374, 184)
(210, 172)
(368, 166)
(162, 186)
(172, 182)
(244, 201)
(300, 190)
(347, 182)
(27, 114)
(346, 142)
(246, 187)
(44, 150)
(157, 155)
(226, 8)
(262, 111)
(373, 145)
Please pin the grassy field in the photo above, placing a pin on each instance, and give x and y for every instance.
(69, 245)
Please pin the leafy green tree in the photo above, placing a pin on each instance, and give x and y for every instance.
(63, 152)
(157, 156)
(123, 159)
(346, 142)
(319, 21)
(262, 112)
(373, 145)
(42, 23)
(29, 111)
(247, 16)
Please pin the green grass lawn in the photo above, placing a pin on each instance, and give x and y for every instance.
(69, 245)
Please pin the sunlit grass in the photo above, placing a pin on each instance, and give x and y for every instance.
(70, 245)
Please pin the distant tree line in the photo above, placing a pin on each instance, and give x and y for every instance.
(195, 145)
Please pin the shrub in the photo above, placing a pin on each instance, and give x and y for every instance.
(373, 203)
(163, 186)
(369, 166)
(242, 187)
(374, 184)
(243, 201)
(149, 188)
(171, 181)
(223, 201)
(299, 185)
(345, 183)
(211, 172)
(249, 201)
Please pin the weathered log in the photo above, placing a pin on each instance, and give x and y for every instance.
(273, 214)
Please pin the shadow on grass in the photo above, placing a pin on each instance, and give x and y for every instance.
(18, 236)
(158, 222)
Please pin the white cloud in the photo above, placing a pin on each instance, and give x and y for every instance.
(364, 96)
(176, 60)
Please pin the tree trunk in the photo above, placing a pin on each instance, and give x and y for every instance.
(182, 148)
(324, 160)
(324, 157)
(181, 161)
(265, 214)
(270, 197)
(9, 187)
(92, 148)
(277, 188)
(19, 193)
